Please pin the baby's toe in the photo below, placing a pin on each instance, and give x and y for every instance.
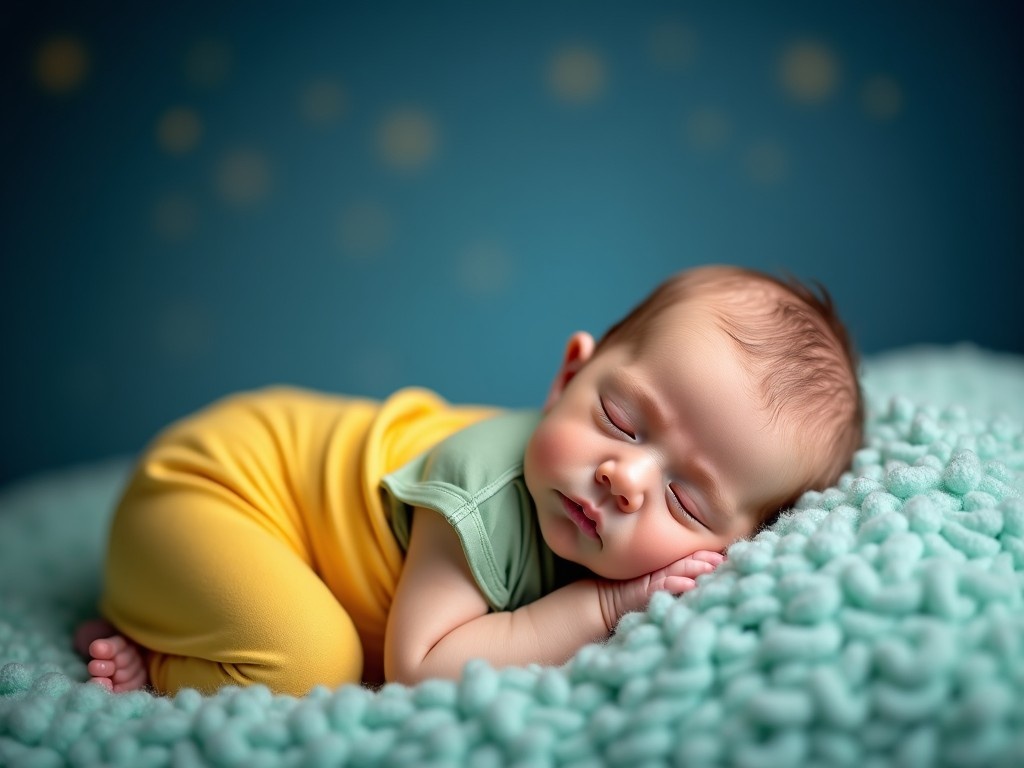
(126, 657)
(101, 668)
(126, 672)
(133, 683)
(107, 647)
(90, 630)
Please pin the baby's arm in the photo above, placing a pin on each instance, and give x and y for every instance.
(439, 619)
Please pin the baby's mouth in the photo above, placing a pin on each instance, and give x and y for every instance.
(578, 516)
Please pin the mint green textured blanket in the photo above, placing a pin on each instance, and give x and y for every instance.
(879, 623)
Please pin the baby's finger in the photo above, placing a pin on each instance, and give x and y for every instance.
(689, 568)
(715, 558)
(677, 585)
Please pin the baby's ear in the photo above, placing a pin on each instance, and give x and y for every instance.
(578, 350)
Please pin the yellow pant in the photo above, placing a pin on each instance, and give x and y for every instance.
(251, 544)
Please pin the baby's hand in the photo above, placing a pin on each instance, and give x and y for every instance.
(681, 576)
(621, 597)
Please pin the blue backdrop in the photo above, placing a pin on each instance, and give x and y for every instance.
(362, 196)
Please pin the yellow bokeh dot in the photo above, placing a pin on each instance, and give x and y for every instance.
(365, 229)
(243, 178)
(673, 46)
(175, 217)
(407, 139)
(577, 74)
(809, 72)
(323, 102)
(882, 97)
(208, 63)
(707, 129)
(484, 270)
(767, 162)
(178, 130)
(61, 64)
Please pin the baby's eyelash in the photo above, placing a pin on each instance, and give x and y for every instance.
(611, 423)
(683, 508)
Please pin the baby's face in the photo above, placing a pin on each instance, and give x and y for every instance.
(648, 453)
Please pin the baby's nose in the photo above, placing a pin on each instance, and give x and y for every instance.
(626, 480)
(630, 502)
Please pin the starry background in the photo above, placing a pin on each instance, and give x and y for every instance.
(205, 197)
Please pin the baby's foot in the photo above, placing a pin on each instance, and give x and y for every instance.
(114, 661)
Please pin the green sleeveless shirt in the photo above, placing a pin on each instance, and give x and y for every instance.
(475, 480)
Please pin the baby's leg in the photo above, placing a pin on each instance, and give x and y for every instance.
(216, 596)
(115, 662)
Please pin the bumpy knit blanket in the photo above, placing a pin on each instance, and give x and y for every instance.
(881, 622)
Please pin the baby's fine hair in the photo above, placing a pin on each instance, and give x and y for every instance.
(792, 343)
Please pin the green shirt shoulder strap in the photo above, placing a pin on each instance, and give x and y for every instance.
(475, 480)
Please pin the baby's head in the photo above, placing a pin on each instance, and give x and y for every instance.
(709, 408)
(791, 343)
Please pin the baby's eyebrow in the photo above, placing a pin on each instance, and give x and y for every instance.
(630, 386)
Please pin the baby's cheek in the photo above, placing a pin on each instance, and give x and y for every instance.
(551, 446)
(661, 542)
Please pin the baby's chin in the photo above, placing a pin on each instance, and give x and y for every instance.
(605, 564)
(625, 569)
(614, 571)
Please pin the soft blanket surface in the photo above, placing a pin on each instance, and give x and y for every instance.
(879, 623)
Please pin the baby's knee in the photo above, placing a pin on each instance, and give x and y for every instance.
(329, 664)
(325, 652)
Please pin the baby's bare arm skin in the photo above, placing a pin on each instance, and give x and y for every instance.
(439, 620)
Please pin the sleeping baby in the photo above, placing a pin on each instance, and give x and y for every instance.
(296, 539)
